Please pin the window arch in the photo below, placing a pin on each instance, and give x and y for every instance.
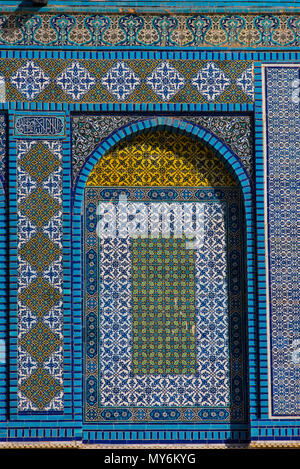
(166, 310)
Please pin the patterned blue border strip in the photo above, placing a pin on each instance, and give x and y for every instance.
(69, 397)
(4, 342)
(262, 426)
(259, 324)
(166, 54)
(121, 107)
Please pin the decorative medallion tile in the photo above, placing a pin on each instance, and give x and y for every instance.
(39, 207)
(166, 81)
(76, 80)
(40, 251)
(30, 80)
(40, 296)
(39, 168)
(41, 388)
(120, 81)
(211, 81)
(40, 342)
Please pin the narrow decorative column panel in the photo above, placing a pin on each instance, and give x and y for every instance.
(282, 198)
(40, 315)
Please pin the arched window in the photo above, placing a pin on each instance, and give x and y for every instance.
(164, 299)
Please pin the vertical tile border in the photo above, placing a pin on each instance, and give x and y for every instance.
(267, 410)
(4, 340)
(263, 425)
(13, 274)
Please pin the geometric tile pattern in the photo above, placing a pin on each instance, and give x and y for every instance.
(40, 388)
(40, 342)
(39, 207)
(88, 131)
(246, 82)
(163, 307)
(85, 30)
(283, 166)
(160, 159)
(128, 80)
(39, 191)
(40, 251)
(39, 168)
(39, 296)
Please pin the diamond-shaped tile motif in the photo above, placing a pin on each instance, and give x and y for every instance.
(40, 296)
(120, 80)
(166, 81)
(40, 251)
(211, 81)
(246, 82)
(40, 342)
(39, 190)
(39, 207)
(39, 162)
(76, 80)
(30, 80)
(40, 388)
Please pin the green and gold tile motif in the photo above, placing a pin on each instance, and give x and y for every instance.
(163, 302)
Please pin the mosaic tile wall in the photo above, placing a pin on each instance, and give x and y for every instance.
(124, 382)
(283, 164)
(153, 338)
